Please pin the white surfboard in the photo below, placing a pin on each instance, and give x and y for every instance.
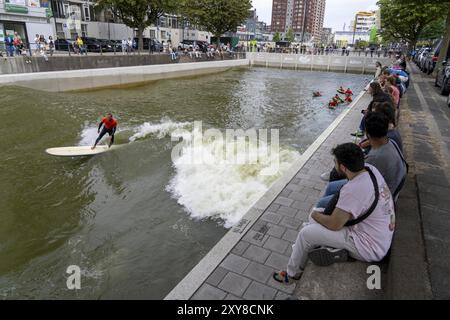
(79, 151)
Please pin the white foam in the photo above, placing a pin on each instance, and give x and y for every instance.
(161, 129)
(88, 135)
(215, 189)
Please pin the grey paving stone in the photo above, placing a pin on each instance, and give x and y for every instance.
(283, 201)
(299, 196)
(301, 205)
(273, 207)
(290, 235)
(217, 276)
(240, 247)
(256, 253)
(271, 217)
(256, 238)
(277, 261)
(260, 226)
(289, 289)
(258, 272)
(276, 244)
(235, 263)
(288, 251)
(259, 291)
(275, 230)
(232, 297)
(303, 215)
(287, 211)
(290, 223)
(294, 187)
(235, 284)
(285, 192)
(281, 295)
(208, 292)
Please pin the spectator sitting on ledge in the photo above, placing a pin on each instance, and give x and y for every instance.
(326, 238)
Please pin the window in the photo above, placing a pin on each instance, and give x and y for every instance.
(152, 34)
(60, 31)
(86, 13)
(163, 34)
(84, 30)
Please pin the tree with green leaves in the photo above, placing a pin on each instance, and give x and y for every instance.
(217, 16)
(276, 37)
(445, 32)
(290, 35)
(405, 20)
(139, 14)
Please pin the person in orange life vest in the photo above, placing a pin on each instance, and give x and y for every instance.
(338, 99)
(348, 99)
(341, 90)
(109, 126)
(349, 92)
(332, 104)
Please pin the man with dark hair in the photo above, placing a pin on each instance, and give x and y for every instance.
(326, 238)
(384, 154)
(109, 126)
(387, 110)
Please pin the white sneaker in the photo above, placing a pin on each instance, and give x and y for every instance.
(325, 176)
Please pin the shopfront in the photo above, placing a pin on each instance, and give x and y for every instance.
(24, 17)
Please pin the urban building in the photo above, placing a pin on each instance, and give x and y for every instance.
(26, 17)
(66, 19)
(349, 38)
(327, 36)
(252, 29)
(304, 17)
(364, 21)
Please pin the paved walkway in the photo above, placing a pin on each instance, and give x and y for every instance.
(426, 131)
(246, 272)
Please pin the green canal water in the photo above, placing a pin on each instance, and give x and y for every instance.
(134, 221)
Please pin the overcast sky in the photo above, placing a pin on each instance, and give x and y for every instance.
(337, 12)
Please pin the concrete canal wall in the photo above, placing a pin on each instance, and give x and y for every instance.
(335, 63)
(85, 79)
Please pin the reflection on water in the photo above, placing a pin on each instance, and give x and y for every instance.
(125, 217)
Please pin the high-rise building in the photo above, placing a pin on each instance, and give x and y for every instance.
(305, 17)
(364, 21)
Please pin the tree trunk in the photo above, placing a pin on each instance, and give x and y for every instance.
(218, 41)
(141, 39)
(444, 45)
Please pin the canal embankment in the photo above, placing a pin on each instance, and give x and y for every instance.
(85, 79)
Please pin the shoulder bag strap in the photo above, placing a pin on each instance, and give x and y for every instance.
(374, 203)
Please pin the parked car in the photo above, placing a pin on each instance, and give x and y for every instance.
(422, 56)
(91, 44)
(419, 55)
(107, 45)
(431, 59)
(63, 45)
(443, 78)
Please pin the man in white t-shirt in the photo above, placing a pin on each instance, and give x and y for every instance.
(326, 238)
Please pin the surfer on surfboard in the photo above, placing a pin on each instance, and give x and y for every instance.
(109, 126)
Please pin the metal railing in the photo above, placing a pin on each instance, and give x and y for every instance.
(71, 49)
